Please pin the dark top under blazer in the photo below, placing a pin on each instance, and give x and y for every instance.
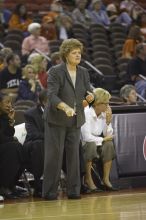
(34, 124)
(61, 89)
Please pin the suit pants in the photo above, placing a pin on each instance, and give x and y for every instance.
(34, 155)
(58, 139)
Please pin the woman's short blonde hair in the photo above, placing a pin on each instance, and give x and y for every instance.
(36, 61)
(68, 45)
(101, 96)
(25, 70)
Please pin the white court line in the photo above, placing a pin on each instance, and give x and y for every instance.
(128, 214)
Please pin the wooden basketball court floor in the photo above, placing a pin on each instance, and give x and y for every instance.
(122, 205)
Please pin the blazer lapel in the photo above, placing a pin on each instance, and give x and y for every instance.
(67, 75)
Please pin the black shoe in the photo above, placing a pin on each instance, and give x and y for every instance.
(89, 190)
(10, 196)
(50, 197)
(85, 189)
(110, 188)
(74, 196)
(37, 194)
(96, 190)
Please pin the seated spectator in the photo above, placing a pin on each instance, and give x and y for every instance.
(35, 41)
(48, 29)
(55, 58)
(42, 74)
(98, 122)
(56, 6)
(10, 76)
(34, 143)
(141, 22)
(5, 15)
(29, 86)
(128, 94)
(118, 16)
(128, 5)
(55, 9)
(99, 16)
(104, 4)
(4, 52)
(56, 20)
(132, 7)
(10, 150)
(64, 25)
(40, 64)
(82, 15)
(68, 7)
(133, 38)
(19, 19)
(136, 68)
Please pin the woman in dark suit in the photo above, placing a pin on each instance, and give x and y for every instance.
(68, 84)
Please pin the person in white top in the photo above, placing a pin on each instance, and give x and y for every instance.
(97, 136)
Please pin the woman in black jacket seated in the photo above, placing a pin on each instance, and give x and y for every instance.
(10, 149)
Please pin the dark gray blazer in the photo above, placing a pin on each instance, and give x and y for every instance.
(61, 89)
